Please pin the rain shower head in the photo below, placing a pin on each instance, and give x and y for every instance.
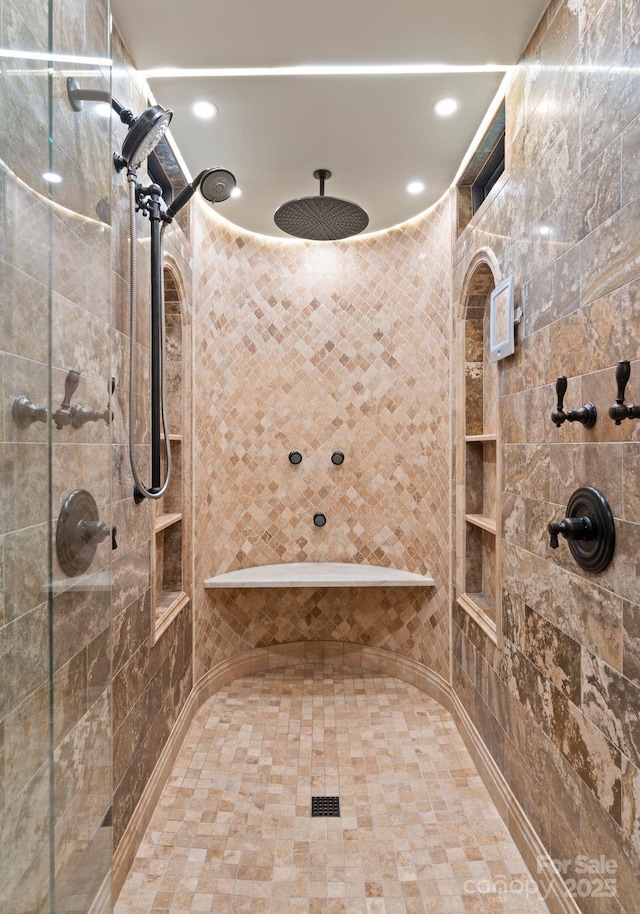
(145, 132)
(321, 218)
(215, 186)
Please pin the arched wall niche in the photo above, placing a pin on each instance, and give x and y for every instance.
(478, 451)
(170, 555)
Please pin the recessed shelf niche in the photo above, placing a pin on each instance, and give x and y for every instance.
(478, 582)
(170, 584)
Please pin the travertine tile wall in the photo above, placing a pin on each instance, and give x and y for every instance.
(322, 347)
(559, 705)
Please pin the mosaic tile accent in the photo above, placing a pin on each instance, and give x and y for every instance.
(417, 833)
(316, 348)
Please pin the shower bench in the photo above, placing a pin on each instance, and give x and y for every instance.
(318, 574)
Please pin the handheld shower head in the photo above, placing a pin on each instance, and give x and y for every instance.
(145, 132)
(215, 186)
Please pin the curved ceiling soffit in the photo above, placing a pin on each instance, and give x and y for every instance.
(240, 231)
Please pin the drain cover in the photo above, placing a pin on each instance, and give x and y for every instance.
(325, 806)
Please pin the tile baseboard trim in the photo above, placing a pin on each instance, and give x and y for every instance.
(373, 659)
(540, 864)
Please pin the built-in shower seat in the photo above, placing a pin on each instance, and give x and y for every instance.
(318, 574)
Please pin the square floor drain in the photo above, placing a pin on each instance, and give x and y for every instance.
(325, 806)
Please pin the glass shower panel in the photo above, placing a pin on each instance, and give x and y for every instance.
(25, 527)
(55, 343)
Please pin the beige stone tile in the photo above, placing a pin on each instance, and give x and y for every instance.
(408, 791)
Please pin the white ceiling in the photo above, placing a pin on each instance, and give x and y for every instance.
(375, 133)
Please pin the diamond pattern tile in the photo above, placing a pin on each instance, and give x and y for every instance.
(323, 347)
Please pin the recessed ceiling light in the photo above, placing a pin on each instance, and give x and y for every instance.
(51, 177)
(204, 110)
(236, 192)
(415, 187)
(445, 107)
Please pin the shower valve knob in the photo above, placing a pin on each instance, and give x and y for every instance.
(620, 410)
(25, 412)
(63, 415)
(586, 415)
(588, 528)
(78, 532)
(572, 528)
(558, 415)
(92, 531)
(80, 415)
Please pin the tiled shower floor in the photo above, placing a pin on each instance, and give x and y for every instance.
(418, 831)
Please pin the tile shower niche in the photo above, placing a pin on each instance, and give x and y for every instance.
(478, 572)
(169, 571)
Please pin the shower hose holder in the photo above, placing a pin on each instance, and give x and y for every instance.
(589, 529)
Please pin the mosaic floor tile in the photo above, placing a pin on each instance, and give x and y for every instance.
(418, 831)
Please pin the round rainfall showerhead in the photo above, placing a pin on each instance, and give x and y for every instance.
(217, 184)
(321, 218)
(144, 134)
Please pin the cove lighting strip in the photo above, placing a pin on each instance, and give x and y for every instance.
(410, 69)
(48, 57)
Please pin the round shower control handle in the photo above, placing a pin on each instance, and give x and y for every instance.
(572, 528)
(78, 532)
(92, 531)
(337, 458)
(588, 528)
(295, 457)
(319, 520)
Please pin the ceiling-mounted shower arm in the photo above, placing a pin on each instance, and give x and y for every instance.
(322, 175)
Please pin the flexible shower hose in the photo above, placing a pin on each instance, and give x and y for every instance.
(133, 235)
